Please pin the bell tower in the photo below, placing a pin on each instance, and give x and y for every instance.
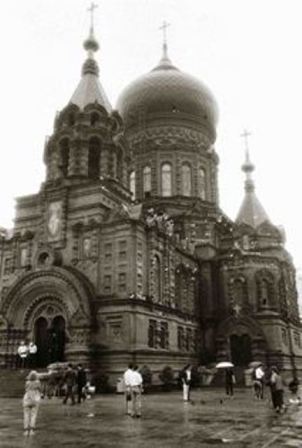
(87, 143)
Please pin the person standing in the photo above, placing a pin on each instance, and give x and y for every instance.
(31, 401)
(229, 382)
(293, 387)
(70, 381)
(22, 354)
(81, 383)
(127, 387)
(136, 387)
(186, 378)
(276, 385)
(32, 353)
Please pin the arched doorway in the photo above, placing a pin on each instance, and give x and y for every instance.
(41, 340)
(50, 340)
(241, 349)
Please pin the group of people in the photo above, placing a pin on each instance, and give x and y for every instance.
(75, 381)
(26, 355)
(272, 378)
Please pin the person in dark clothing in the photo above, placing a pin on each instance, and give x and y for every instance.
(276, 385)
(81, 382)
(293, 387)
(229, 382)
(70, 381)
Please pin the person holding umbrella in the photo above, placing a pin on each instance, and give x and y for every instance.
(229, 376)
(229, 381)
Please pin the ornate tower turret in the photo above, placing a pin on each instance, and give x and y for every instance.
(251, 211)
(88, 142)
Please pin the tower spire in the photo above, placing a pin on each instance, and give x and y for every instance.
(90, 90)
(247, 166)
(251, 211)
(91, 45)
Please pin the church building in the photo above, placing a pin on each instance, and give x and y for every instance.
(124, 255)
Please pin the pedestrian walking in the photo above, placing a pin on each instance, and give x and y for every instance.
(70, 382)
(136, 387)
(31, 401)
(276, 385)
(186, 378)
(229, 381)
(81, 383)
(127, 387)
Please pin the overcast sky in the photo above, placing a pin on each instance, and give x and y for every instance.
(248, 52)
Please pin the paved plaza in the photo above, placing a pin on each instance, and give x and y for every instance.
(211, 420)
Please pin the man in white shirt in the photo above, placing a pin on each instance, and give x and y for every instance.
(136, 387)
(259, 379)
(22, 353)
(186, 376)
(32, 352)
(127, 387)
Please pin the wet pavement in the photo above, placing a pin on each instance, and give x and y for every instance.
(211, 420)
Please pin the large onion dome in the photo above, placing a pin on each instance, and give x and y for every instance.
(167, 92)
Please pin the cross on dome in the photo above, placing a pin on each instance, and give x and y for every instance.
(91, 9)
(246, 134)
(164, 27)
(247, 167)
(165, 58)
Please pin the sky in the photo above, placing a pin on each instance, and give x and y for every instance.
(248, 52)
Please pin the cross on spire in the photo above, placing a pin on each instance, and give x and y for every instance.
(246, 134)
(91, 9)
(163, 28)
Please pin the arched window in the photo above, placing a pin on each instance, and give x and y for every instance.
(186, 180)
(178, 288)
(132, 184)
(166, 179)
(147, 179)
(119, 165)
(71, 119)
(202, 183)
(94, 152)
(64, 153)
(265, 289)
(157, 279)
(94, 118)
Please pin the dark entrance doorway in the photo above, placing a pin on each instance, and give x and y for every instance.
(41, 340)
(57, 339)
(50, 340)
(241, 350)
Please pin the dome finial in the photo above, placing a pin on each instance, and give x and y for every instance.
(91, 45)
(165, 57)
(247, 167)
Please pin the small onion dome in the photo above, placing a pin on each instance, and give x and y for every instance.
(247, 167)
(91, 44)
(90, 66)
(168, 92)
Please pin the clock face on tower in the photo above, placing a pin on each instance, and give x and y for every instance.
(54, 220)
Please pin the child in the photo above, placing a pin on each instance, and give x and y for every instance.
(31, 402)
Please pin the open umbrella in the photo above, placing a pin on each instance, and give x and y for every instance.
(224, 365)
(254, 364)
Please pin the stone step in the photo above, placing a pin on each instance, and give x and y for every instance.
(12, 382)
